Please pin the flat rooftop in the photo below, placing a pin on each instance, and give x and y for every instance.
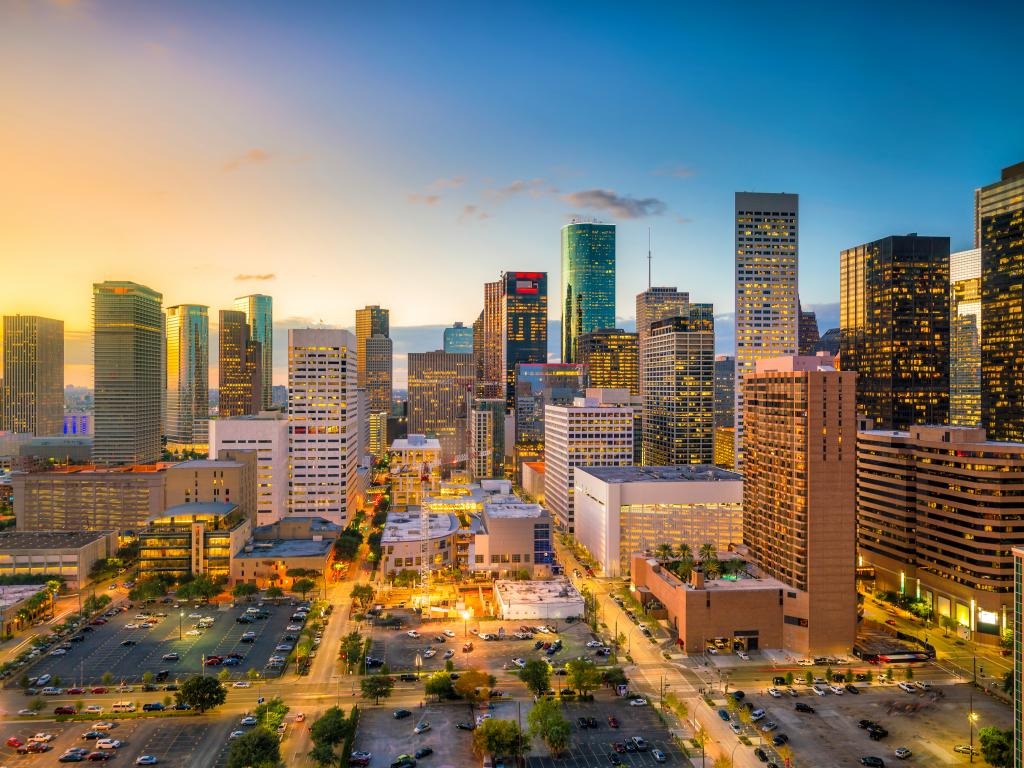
(553, 590)
(406, 526)
(745, 581)
(287, 548)
(207, 464)
(18, 541)
(14, 594)
(220, 508)
(416, 443)
(682, 473)
(507, 505)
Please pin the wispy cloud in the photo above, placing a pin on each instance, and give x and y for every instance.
(473, 212)
(254, 156)
(451, 183)
(532, 187)
(683, 220)
(268, 276)
(676, 171)
(621, 206)
(418, 199)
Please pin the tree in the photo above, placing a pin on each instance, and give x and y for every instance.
(148, 588)
(303, 586)
(259, 748)
(584, 675)
(789, 678)
(707, 552)
(107, 678)
(1006, 639)
(376, 687)
(362, 594)
(252, 673)
(439, 684)
(331, 728)
(996, 747)
(712, 568)
(614, 676)
(722, 762)
(547, 722)
(351, 649)
(498, 737)
(323, 754)
(147, 678)
(536, 675)
(274, 592)
(889, 674)
(1008, 682)
(243, 590)
(224, 675)
(201, 693)
(473, 685)
(523, 574)
(406, 578)
(809, 677)
(200, 588)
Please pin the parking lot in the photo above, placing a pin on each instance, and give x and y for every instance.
(387, 738)
(104, 649)
(399, 651)
(177, 743)
(929, 723)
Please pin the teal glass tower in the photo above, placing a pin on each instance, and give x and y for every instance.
(259, 314)
(588, 283)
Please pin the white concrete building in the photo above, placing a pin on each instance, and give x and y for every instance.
(413, 458)
(595, 431)
(622, 510)
(537, 600)
(767, 300)
(402, 543)
(267, 434)
(511, 536)
(322, 423)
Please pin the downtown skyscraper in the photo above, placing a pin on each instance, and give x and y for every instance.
(1000, 216)
(588, 283)
(239, 367)
(610, 359)
(374, 352)
(259, 314)
(458, 338)
(524, 325)
(187, 410)
(965, 338)
(767, 302)
(440, 398)
(894, 313)
(128, 363)
(657, 303)
(490, 377)
(32, 375)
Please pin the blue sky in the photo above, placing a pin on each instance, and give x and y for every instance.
(342, 154)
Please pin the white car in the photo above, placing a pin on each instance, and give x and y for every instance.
(27, 712)
(94, 709)
(131, 626)
(775, 693)
(413, 634)
(805, 662)
(293, 628)
(41, 738)
(449, 633)
(195, 615)
(736, 727)
(712, 651)
(145, 760)
(421, 727)
(757, 714)
(429, 653)
(102, 726)
(923, 686)
(545, 630)
(241, 684)
(146, 625)
(743, 655)
(906, 686)
(194, 633)
(519, 663)
(449, 653)
(236, 734)
(769, 726)
(836, 689)
(638, 702)
(57, 652)
(819, 691)
(248, 720)
(124, 689)
(107, 744)
(284, 647)
(481, 718)
(594, 644)
(903, 753)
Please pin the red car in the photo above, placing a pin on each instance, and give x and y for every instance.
(34, 747)
(75, 691)
(94, 756)
(65, 711)
(101, 689)
(98, 622)
(213, 661)
(15, 742)
(618, 746)
(890, 622)
(612, 721)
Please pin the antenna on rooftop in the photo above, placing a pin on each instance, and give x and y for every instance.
(648, 258)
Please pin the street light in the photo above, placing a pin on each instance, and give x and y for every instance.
(465, 624)
(181, 615)
(972, 718)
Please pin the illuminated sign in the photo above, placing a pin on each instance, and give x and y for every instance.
(988, 617)
(526, 285)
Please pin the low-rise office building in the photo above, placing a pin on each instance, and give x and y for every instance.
(743, 611)
(267, 434)
(402, 544)
(266, 563)
(623, 510)
(537, 600)
(14, 599)
(197, 538)
(67, 554)
(512, 536)
(415, 468)
(230, 479)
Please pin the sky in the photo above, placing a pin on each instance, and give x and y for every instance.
(335, 155)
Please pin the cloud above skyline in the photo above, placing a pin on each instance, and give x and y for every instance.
(267, 276)
(621, 206)
(254, 156)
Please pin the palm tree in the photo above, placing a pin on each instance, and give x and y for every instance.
(684, 551)
(712, 568)
(707, 552)
(663, 551)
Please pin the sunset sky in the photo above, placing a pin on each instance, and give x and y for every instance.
(338, 154)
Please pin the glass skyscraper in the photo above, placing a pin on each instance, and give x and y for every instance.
(894, 313)
(188, 376)
(259, 313)
(1001, 217)
(588, 283)
(539, 385)
(524, 324)
(965, 338)
(458, 338)
(239, 366)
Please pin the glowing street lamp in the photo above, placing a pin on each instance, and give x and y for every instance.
(465, 623)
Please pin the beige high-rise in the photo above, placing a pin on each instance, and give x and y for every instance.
(441, 391)
(32, 375)
(799, 495)
(373, 355)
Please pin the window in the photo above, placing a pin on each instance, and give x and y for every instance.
(479, 559)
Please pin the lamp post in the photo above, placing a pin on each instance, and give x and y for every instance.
(181, 615)
(972, 718)
(465, 624)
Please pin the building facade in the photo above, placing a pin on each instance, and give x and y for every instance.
(1000, 219)
(196, 539)
(894, 313)
(378, 442)
(654, 304)
(415, 468)
(799, 495)
(594, 431)
(67, 554)
(610, 359)
(440, 392)
(524, 325)
(679, 389)
(487, 343)
(259, 314)
(266, 434)
(128, 370)
(767, 291)
(458, 338)
(624, 510)
(188, 378)
(513, 536)
(322, 423)
(538, 386)
(937, 517)
(965, 338)
(487, 439)
(807, 332)
(588, 283)
(374, 358)
(32, 375)
(725, 391)
(239, 367)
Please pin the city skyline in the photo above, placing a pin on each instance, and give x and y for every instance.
(284, 186)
